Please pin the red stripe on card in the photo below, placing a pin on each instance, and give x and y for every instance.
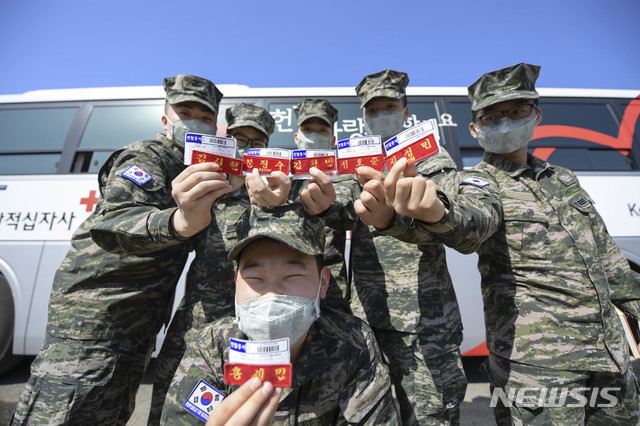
(419, 150)
(228, 165)
(265, 165)
(279, 375)
(349, 165)
(302, 165)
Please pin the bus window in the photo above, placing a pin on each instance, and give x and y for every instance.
(116, 126)
(349, 122)
(581, 136)
(33, 139)
(470, 151)
(111, 127)
(29, 164)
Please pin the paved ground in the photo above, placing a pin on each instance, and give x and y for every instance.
(475, 409)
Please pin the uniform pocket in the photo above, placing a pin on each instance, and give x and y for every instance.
(527, 237)
(76, 362)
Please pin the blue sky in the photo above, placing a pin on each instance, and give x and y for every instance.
(62, 44)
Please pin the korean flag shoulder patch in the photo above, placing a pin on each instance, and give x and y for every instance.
(136, 175)
(203, 399)
(475, 181)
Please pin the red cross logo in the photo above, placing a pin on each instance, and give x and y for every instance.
(90, 201)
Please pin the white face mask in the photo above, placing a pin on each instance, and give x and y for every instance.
(313, 141)
(507, 136)
(179, 129)
(276, 316)
(384, 123)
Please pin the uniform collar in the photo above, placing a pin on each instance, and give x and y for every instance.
(314, 359)
(512, 168)
(175, 149)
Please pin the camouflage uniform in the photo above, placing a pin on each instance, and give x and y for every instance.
(209, 290)
(114, 289)
(338, 377)
(549, 275)
(405, 293)
(338, 292)
(550, 272)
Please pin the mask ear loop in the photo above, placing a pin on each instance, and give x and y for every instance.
(317, 304)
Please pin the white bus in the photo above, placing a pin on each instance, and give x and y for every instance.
(53, 142)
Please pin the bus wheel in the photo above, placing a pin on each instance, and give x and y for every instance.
(7, 359)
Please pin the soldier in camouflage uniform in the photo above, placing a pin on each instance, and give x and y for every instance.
(209, 286)
(114, 289)
(338, 376)
(550, 271)
(404, 291)
(316, 119)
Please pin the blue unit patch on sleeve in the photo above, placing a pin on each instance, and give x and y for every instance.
(136, 175)
(203, 399)
(475, 181)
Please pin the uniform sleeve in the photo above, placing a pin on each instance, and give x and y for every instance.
(440, 169)
(623, 281)
(134, 217)
(341, 215)
(367, 397)
(202, 360)
(475, 214)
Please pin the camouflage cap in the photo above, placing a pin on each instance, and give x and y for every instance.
(514, 82)
(387, 83)
(320, 108)
(186, 87)
(287, 223)
(250, 115)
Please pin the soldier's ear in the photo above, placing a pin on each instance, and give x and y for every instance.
(325, 277)
(538, 115)
(405, 113)
(473, 131)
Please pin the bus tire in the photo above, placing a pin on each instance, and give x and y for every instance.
(7, 317)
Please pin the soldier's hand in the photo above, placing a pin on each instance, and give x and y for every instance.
(253, 403)
(195, 190)
(272, 193)
(413, 196)
(319, 195)
(372, 206)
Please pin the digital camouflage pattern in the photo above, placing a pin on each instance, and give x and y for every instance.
(406, 287)
(549, 268)
(242, 114)
(514, 82)
(320, 108)
(287, 223)
(209, 290)
(337, 296)
(186, 87)
(338, 379)
(620, 406)
(387, 84)
(550, 271)
(114, 289)
(405, 293)
(210, 287)
(431, 389)
(100, 377)
(125, 253)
